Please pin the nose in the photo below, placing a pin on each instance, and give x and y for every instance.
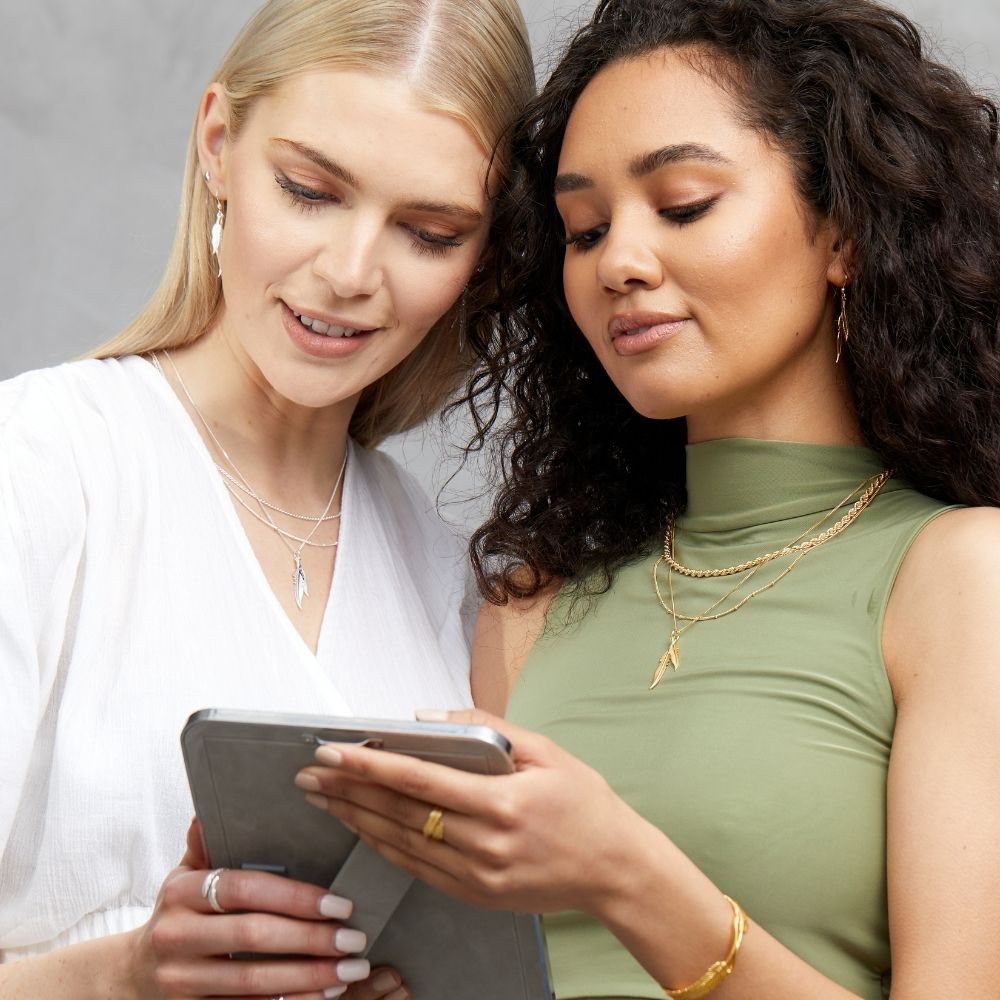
(350, 260)
(628, 259)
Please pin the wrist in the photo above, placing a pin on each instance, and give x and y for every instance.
(126, 971)
(664, 909)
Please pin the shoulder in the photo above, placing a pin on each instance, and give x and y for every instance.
(405, 509)
(61, 431)
(504, 637)
(40, 402)
(943, 603)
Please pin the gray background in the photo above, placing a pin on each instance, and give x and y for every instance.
(96, 102)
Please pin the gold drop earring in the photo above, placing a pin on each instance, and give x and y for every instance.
(843, 331)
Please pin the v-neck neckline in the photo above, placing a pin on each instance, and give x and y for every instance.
(238, 531)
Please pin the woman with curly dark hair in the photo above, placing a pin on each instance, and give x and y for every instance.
(743, 564)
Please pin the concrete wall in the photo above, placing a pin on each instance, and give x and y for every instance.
(96, 101)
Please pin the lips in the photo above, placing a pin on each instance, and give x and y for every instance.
(633, 323)
(329, 328)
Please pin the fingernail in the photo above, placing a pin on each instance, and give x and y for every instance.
(335, 906)
(353, 970)
(335, 991)
(329, 756)
(385, 981)
(307, 782)
(400, 994)
(432, 715)
(319, 801)
(348, 940)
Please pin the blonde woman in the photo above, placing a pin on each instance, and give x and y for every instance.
(195, 515)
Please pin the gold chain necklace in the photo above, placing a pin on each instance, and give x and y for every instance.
(672, 656)
(871, 488)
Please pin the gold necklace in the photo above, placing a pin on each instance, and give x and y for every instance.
(672, 656)
(870, 487)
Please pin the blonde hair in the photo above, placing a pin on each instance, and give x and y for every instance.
(469, 59)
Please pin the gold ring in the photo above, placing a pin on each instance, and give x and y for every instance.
(434, 825)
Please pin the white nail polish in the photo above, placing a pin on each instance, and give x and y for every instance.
(335, 906)
(348, 940)
(432, 715)
(335, 991)
(353, 970)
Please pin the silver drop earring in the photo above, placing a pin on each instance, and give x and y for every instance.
(215, 236)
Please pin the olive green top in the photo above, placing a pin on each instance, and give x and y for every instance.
(764, 757)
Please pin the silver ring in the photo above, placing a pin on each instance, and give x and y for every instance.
(210, 888)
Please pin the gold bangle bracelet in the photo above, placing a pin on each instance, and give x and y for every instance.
(717, 971)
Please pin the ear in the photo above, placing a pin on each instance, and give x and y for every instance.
(213, 134)
(841, 266)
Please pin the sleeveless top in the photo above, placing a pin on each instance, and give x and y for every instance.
(764, 756)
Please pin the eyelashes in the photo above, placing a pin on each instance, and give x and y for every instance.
(306, 198)
(678, 215)
(309, 200)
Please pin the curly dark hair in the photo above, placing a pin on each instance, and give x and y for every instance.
(896, 149)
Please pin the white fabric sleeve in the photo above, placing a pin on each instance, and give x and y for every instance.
(20, 687)
(41, 530)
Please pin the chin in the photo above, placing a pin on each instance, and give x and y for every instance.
(653, 403)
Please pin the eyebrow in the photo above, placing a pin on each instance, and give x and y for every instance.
(343, 174)
(648, 163)
(322, 161)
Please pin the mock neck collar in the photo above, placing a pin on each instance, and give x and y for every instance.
(741, 482)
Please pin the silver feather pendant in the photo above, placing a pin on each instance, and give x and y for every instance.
(300, 582)
(216, 236)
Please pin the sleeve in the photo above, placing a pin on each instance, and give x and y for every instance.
(19, 675)
(40, 516)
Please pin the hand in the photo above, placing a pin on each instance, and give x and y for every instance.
(183, 950)
(551, 836)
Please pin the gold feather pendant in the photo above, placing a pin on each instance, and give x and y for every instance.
(671, 658)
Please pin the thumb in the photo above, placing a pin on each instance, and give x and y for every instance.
(527, 747)
(195, 856)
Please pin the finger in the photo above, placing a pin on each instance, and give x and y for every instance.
(358, 804)
(263, 933)
(443, 853)
(461, 887)
(253, 978)
(237, 890)
(447, 787)
(526, 745)
(384, 984)
(195, 855)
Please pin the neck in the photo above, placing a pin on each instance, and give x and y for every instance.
(808, 402)
(285, 450)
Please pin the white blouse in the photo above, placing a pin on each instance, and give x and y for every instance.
(130, 597)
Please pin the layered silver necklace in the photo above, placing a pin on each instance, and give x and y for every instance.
(236, 483)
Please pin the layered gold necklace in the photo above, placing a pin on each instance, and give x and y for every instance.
(798, 547)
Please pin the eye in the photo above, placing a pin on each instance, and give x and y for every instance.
(306, 198)
(436, 244)
(584, 240)
(681, 215)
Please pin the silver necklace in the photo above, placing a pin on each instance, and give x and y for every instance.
(281, 531)
(232, 482)
(300, 583)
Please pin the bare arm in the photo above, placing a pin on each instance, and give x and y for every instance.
(503, 639)
(942, 646)
(557, 837)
